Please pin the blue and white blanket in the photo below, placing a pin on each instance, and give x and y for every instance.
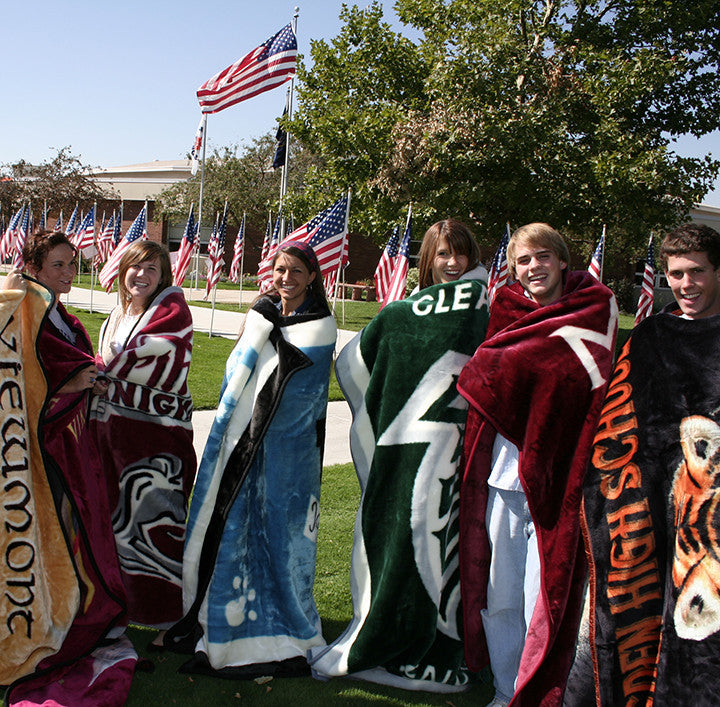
(249, 562)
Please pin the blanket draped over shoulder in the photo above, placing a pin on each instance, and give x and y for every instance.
(144, 433)
(61, 585)
(249, 564)
(652, 509)
(539, 380)
(399, 378)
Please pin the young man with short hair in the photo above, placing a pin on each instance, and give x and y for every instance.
(535, 387)
(652, 496)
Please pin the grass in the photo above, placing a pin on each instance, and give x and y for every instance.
(340, 498)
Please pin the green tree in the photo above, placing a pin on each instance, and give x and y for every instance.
(60, 183)
(517, 110)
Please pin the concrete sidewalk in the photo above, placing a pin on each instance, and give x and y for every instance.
(227, 324)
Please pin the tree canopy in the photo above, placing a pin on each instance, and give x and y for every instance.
(515, 110)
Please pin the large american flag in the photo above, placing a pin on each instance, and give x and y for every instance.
(137, 231)
(384, 269)
(596, 263)
(10, 236)
(85, 236)
(499, 269)
(326, 233)
(188, 245)
(235, 274)
(647, 295)
(267, 66)
(216, 253)
(398, 280)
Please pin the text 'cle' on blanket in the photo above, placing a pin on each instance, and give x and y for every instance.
(249, 563)
(652, 508)
(539, 380)
(399, 377)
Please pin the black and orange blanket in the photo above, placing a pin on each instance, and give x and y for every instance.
(61, 591)
(652, 509)
(143, 427)
(539, 379)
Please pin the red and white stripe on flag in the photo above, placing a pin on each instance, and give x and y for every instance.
(647, 294)
(384, 269)
(234, 275)
(264, 68)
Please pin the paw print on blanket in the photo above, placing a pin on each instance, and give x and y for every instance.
(237, 610)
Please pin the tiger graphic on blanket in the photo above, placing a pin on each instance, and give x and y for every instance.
(696, 561)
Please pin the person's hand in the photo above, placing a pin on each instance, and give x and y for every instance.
(100, 387)
(82, 380)
(14, 281)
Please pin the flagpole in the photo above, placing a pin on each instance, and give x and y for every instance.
(194, 280)
(242, 260)
(602, 256)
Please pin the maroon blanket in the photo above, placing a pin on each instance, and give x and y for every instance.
(144, 432)
(539, 380)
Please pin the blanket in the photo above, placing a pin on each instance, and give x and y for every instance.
(143, 428)
(399, 377)
(249, 563)
(539, 380)
(61, 579)
(651, 508)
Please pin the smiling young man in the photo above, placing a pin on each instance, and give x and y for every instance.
(652, 495)
(535, 387)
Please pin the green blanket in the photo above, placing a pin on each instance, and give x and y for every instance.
(399, 377)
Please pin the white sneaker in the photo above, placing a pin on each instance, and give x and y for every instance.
(497, 702)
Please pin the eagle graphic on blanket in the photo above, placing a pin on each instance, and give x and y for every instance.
(249, 562)
(399, 376)
(538, 379)
(143, 427)
(652, 510)
(61, 586)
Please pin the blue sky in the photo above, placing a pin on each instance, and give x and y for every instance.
(116, 81)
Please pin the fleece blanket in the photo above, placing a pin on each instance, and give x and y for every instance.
(61, 579)
(651, 507)
(143, 427)
(539, 379)
(399, 377)
(249, 563)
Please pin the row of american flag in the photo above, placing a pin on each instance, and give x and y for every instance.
(498, 275)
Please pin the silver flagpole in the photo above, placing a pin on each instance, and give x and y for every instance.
(194, 280)
(242, 260)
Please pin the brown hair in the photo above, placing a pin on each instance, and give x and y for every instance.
(460, 239)
(538, 235)
(137, 253)
(317, 287)
(692, 237)
(40, 243)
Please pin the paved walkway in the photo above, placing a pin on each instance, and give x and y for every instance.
(227, 324)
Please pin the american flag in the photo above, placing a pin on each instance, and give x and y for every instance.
(42, 225)
(186, 250)
(326, 233)
(21, 237)
(105, 240)
(398, 280)
(266, 239)
(596, 263)
(216, 253)
(85, 236)
(197, 145)
(137, 231)
(265, 67)
(72, 223)
(236, 265)
(9, 237)
(59, 223)
(499, 269)
(384, 269)
(117, 233)
(647, 296)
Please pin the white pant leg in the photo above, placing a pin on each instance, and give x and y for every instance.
(504, 618)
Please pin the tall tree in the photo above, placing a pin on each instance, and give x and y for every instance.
(519, 110)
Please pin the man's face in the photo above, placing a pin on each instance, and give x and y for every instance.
(695, 283)
(539, 271)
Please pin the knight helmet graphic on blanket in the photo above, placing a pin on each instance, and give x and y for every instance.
(652, 508)
(399, 377)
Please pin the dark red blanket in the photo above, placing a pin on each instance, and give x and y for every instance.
(539, 380)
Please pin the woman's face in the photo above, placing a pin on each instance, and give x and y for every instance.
(58, 269)
(291, 279)
(142, 279)
(448, 265)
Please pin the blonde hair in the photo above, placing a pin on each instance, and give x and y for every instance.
(538, 235)
(137, 253)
